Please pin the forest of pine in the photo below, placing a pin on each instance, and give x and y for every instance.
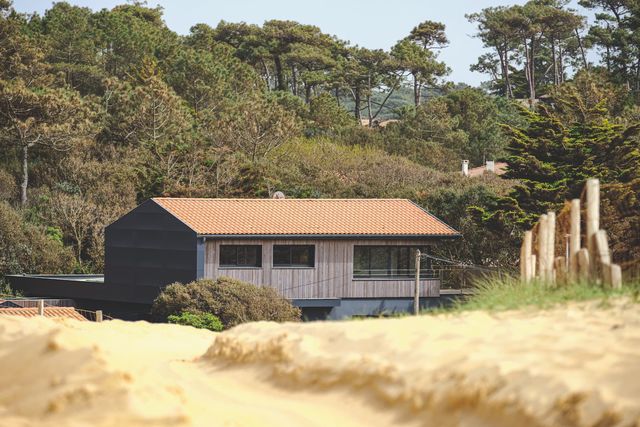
(101, 110)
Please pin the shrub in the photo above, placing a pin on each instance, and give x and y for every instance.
(232, 301)
(26, 248)
(197, 320)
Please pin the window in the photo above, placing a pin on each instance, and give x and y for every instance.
(388, 262)
(240, 256)
(293, 255)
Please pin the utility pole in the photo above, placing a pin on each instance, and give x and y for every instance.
(416, 296)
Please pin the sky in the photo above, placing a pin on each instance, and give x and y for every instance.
(375, 24)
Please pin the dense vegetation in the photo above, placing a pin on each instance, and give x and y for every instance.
(100, 110)
(231, 301)
(197, 320)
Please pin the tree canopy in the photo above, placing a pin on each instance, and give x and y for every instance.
(100, 110)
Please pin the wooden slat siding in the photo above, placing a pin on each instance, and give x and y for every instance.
(332, 276)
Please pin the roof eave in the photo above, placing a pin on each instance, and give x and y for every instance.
(332, 236)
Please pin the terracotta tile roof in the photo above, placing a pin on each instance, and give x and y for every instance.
(369, 217)
(51, 312)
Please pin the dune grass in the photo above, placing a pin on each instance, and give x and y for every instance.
(499, 294)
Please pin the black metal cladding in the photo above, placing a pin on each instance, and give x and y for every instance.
(150, 247)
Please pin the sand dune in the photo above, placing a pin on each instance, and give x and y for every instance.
(576, 366)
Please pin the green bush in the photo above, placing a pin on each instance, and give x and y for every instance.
(232, 301)
(26, 248)
(197, 320)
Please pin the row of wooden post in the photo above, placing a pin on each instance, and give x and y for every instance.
(592, 262)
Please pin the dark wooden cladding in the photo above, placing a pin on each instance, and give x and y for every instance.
(332, 276)
(149, 247)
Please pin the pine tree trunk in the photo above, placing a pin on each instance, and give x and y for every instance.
(530, 69)
(25, 175)
(556, 75)
(294, 82)
(584, 56)
(416, 90)
(369, 112)
(506, 73)
(279, 73)
(357, 102)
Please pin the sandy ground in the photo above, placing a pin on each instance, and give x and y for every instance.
(576, 366)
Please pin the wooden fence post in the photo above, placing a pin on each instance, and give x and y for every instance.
(523, 263)
(98, 315)
(583, 265)
(534, 260)
(592, 221)
(574, 239)
(616, 276)
(602, 258)
(551, 245)
(528, 255)
(543, 237)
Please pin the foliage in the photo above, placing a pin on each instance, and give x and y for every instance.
(327, 117)
(541, 35)
(197, 320)
(25, 248)
(506, 293)
(232, 301)
(101, 110)
(555, 153)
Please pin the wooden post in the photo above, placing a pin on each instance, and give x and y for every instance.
(616, 276)
(602, 258)
(601, 247)
(561, 270)
(551, 245)
(583, 265)
(574, 240)
(40, 307)
(593, 219)
(534, 260)
(543, 236)
(523, 263)
(99, 316)
(416, 296)
(527, 245)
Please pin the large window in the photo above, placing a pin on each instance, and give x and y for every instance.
(293, 255)
(388, 262)
(240, 256)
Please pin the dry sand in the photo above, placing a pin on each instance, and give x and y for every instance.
(576, 366)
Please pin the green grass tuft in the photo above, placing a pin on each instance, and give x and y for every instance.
(500, 294)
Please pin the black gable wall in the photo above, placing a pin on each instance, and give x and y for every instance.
(150, 247)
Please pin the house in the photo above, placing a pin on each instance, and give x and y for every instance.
(331, 257)
(490, 167)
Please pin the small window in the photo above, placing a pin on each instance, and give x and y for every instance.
(293, 255)
(240, 256)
